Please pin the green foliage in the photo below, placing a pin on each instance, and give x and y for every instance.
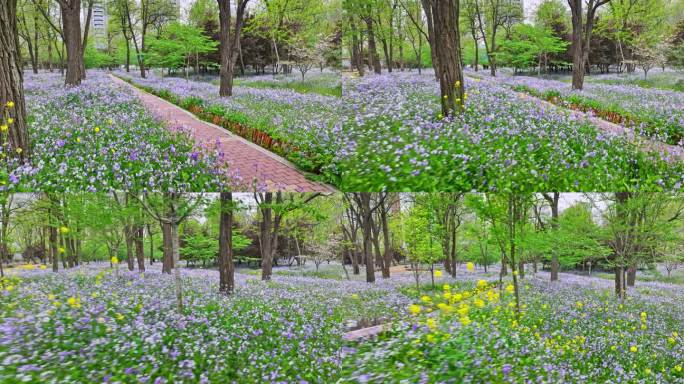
(528, 46)
(178, 45)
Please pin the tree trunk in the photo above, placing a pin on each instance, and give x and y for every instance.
(448, 53)
(226, 266)
(229, 43)
(11, 81)
(175, 251)
(71, 25)
(129, 247)
(139, 250)
(631, 275)
(367, 226)
(54, 253)
(167, 262)
(372, 50)
(266, 235)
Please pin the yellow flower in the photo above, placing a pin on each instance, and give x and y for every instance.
(109, 121)
(470, 266)
(633, 348)
(447, 295)
(10, 121)
(63, 230)
(51, 297)
(43, 266)
(458, 83)
(481, 284)
(19, 150)
(465, 320)
(432, 324)
(510, 288)
(115, 260)
(438, 273)
(78, 139)
(613, 348)
(671, 340)
(430, 338)
(57, 304)
(3, 128)
(425, 299)
(74, 302)
(10, 104)
(580, 305)
(119, 316)
(446, 287)
(678, 367)
(675, 334)
(97, 129)
(479, 303)
(414, 308)
(440, 116)
(94, 295)
(354, 296)
(9, 288)
(647, 371)
(61, 250)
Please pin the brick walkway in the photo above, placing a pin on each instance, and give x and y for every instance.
(245, 159)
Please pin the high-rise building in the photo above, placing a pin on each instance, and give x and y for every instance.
(98, 25)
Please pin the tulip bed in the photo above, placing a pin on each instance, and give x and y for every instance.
(96, 137)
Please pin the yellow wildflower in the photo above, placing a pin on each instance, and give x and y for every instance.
(481, 284)
(63, 230)
(414, 308)
(633, 348)
(479, 303)
(19, 150)
(510, 288)
(4, 128)
(426, 299)
(115, 260)
(43, 266)
(97, 129)
(470, 266)
(438, 273)
(119, 316)
(465, 320)
(10, 104)
(432, 324)
(446, 287)
(354, 296)
(10, 121)
(9, 288)
(61, 250)
(678, 367)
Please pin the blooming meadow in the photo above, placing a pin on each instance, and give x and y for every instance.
(303, 127)
(571, 332)
(398, 141)
(97, 323)
(96, 137)
(385, 133)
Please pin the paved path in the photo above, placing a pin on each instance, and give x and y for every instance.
(245, 159)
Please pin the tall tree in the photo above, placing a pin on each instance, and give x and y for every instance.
(12, 103)
(225, 261)
(229, 42)
(582, 29)
(71, 32)
(443, 15)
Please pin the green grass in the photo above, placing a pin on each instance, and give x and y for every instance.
(324, 84)
(664, 81)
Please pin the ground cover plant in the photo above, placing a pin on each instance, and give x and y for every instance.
(286, 330)
(97, 137)
(399, 141)
(324, 83)
(570, 333)
(302, 127)
(654, 113)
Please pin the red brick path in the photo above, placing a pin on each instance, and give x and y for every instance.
(245, 159)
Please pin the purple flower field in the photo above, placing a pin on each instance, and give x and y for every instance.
(97, 137)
